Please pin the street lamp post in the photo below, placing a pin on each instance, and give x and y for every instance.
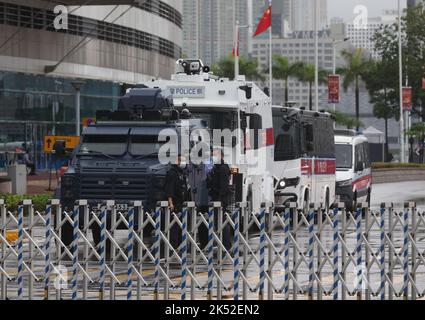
(77, 86)
(316, 55)
(400, 63)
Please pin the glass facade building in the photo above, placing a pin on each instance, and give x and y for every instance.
(137, 43)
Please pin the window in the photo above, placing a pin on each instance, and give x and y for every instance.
(344, 156)
(113, 145)
(145, 145)
(324, 145)
(366, 155)
(359, 157)
(287, 139)
(255, 126)
(28, 17)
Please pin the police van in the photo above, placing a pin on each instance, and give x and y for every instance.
(353, 168)
(304, 161)
(236, 107)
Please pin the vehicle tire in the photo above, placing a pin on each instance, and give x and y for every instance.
(354, 205)
(67, 234)
(57, 193)
(327, 201)
(306, 205)
(369, 196)
(306, 201)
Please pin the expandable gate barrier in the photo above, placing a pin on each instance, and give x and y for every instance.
(277, 253)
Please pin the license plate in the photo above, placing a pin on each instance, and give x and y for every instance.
(120, 207)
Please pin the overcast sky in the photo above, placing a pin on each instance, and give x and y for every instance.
(345, 8)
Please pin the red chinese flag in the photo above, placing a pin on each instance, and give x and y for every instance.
(265, 22)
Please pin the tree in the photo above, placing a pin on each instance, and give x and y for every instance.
(305, 72)
(344, 120)
(356, 69)
(413, 47)
(225, 68)
(283, 69)
(380, 81)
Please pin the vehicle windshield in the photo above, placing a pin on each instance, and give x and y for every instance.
(344, 156)
(144, 145)
(112, 145)
(217, 120)
(287, 140)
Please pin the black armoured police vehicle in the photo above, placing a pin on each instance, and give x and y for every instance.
(117, 158)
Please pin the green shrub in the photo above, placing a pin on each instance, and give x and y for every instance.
(384, 165)
(39, 200)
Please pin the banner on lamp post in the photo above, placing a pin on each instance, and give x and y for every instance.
(407, 98)
(334, 88)
(423, 83)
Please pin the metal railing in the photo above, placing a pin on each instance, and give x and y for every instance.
(277, 253)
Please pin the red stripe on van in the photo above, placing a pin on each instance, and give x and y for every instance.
(321, 166)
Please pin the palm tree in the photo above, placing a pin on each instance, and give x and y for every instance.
(225, 68)
(306, 73)
(283, 69)
(356, 70)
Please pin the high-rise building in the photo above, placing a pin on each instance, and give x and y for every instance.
(281, 17)
(102, 45)
(361, 36)
(302, 14)
(208, 28)
(299, 47)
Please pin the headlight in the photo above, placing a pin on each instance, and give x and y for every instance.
(344, 183)
(286, 183)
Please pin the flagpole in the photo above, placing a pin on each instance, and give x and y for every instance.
(250, 24)
(316, 56)
(400, 65)
(270, 59)
(236, 50)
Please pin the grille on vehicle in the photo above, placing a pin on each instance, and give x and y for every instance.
(115, 187)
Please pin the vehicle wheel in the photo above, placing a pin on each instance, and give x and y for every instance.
(354, 206)
(57, 193)
(306, 202)
(66, 234)
(306, 205)
(327, 204)
(369, 192)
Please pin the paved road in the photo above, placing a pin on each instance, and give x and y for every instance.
(399, 193)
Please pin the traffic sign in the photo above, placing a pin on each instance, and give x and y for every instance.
(88, 122)
(70, 142)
